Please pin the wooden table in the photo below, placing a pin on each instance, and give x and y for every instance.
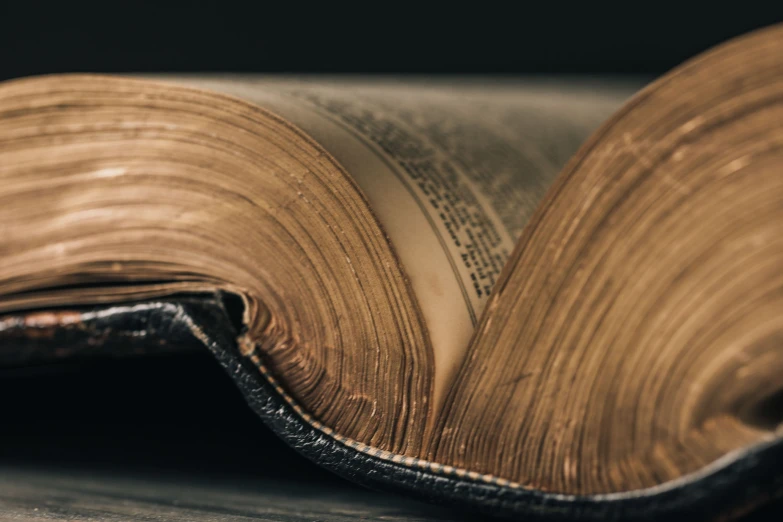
(47, 494)
(165, 438)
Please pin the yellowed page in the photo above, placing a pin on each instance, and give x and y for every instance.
(453, 170)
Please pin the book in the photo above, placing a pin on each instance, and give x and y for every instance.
(545, 299)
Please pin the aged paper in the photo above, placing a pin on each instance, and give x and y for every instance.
(452, 170)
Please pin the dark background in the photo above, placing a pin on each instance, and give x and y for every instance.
(161, 412)
(373, 37)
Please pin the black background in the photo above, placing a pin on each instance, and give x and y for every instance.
(373, 37)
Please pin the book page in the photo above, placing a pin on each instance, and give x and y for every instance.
(453, 172)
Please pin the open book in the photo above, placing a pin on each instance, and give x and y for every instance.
(431, 288)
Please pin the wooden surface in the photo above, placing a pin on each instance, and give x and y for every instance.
(54, 494)
(165, 439)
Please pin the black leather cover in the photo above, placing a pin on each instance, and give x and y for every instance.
(729, 489)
